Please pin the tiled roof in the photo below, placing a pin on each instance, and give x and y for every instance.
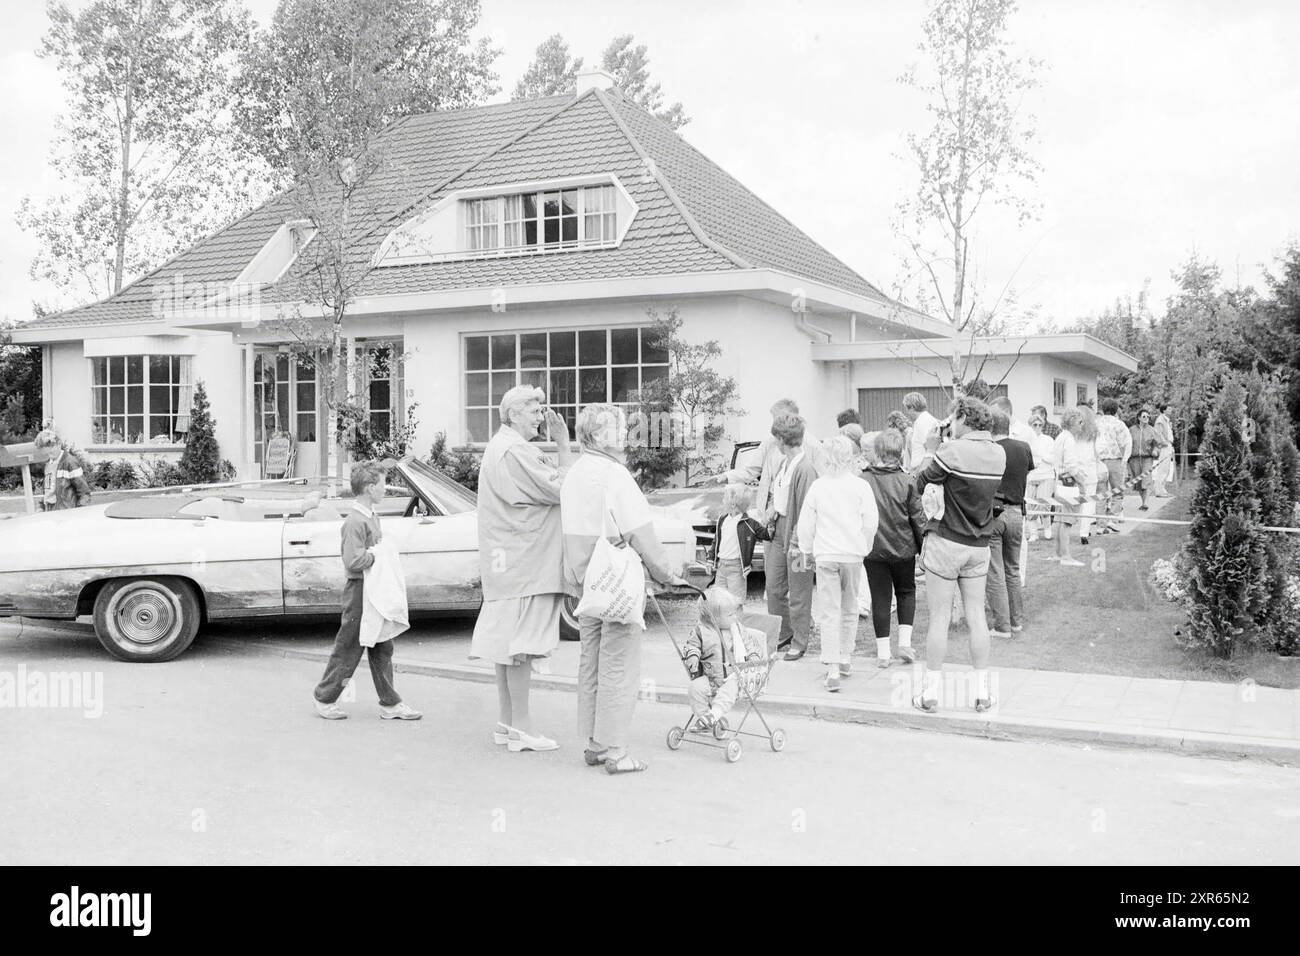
(692, 216)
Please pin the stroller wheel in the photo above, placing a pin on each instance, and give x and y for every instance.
(720, 728)
(778, 740)
(675, 738)
(734, 751)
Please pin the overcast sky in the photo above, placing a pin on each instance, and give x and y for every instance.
(1165, 126)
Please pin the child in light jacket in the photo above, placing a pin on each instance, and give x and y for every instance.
(716, 644)
(837, 528)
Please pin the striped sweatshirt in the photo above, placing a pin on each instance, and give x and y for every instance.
(970, 469)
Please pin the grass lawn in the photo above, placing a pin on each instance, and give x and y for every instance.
(1104, 618)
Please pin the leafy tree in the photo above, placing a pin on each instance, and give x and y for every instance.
(1282, 331)
(975, 153)
(201, 461)
(1228, 582)
(681, 417)
(321, 86)
(143, 152)
(327, 76)
(552, 71)
(630, 67)
(20, 390)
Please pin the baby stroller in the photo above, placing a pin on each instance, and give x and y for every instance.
(751, 679)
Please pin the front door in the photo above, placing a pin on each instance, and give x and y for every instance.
(286, 400)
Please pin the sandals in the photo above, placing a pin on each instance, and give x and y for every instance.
(625, 764)
(594, 758)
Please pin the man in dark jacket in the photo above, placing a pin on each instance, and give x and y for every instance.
(955, 553)
(891, 565)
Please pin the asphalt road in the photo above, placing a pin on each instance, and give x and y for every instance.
(218, 758)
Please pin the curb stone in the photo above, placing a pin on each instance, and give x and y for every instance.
(1286, 753)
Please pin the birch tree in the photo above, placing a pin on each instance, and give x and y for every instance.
(143, 152)
(974, 154)
(321, 87)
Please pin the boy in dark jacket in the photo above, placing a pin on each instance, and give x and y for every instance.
(361, 531)
(891, 565)
(734, 536)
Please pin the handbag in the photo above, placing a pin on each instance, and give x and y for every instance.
(1067, 491)
(613, 589)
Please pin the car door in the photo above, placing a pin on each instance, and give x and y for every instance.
(439, 559)
(312, 562)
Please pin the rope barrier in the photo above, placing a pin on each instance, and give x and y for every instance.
(1100, 518)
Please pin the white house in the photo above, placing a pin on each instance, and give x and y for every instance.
(526, 243)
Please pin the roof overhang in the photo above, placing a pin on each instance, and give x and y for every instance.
(1077, 347)
(795, 292)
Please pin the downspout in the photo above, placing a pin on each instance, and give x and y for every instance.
(814, 332)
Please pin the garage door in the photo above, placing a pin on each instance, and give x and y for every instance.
(875, 404)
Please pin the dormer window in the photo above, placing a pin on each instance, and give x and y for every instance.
(581, 212)
(546, 219)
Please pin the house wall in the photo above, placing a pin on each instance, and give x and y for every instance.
(762, 348)
(214, 359)
(1028, 379)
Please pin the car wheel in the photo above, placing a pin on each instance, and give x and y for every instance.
(146, 619)
(569, 619)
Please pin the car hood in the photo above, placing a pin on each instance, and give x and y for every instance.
(696, 506)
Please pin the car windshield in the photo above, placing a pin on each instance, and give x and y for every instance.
(749, 457)
(448, 496)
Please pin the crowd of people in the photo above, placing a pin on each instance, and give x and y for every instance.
(961, 495)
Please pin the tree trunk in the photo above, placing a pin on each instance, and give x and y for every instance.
(121, 225)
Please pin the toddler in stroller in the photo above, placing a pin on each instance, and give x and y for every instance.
(717, 642)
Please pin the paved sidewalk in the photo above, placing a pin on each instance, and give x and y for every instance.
(1186, 716)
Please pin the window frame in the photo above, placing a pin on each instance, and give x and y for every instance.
(179, 388)
(517, 373)
(603, 213)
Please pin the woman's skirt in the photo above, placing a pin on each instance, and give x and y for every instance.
(516, 630)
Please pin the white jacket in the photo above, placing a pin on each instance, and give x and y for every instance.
(838, 519)
(383, 610)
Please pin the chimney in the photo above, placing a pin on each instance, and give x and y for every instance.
(594, 80)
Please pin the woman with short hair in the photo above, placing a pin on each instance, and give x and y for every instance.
(600, 497)
(520, 558)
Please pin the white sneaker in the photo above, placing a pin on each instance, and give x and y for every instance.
(400, 711)
(331, 711)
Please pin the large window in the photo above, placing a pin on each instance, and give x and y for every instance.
(545, 220)
(575, 368)
(137, 399)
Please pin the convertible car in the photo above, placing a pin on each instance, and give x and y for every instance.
(151, 569)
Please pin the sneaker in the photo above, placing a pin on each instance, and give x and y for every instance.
(331, 711)
(1071, 563)
(928, 706)
(883, 662)
(845, 670)
(906, 654)
(400, 711)
(1017, 628)
(793, 654)
(832, 684)
(984, 704)
(993, 632)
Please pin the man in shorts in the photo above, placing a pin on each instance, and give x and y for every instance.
(955, 552)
